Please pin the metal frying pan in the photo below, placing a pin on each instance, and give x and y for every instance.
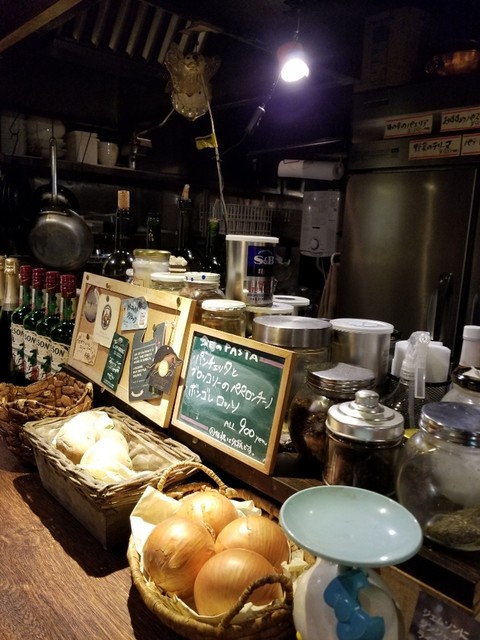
(60, 239)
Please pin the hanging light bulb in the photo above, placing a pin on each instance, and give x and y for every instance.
(291, 56)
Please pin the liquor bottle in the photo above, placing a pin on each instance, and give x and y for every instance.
(61, 333)
(118, 262)
(213, 260)
(10, 303)
(2, 279)
(45, 325)
(30, 324)
(184, 251)
(16, 327)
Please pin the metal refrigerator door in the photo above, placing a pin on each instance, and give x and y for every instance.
(402, 232)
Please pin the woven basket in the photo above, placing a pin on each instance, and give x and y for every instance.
(273, 621)
(104, 509)
(56, 395)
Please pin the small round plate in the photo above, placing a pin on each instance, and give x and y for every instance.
(351, 526)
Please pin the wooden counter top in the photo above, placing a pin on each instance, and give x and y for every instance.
(57, 582)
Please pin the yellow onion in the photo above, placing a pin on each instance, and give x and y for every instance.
(256, 533)
(210, 507)
(174, 553)
(224, 577)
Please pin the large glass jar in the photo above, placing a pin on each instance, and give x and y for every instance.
(200, 286)
(224, 315)
(364, 438)
(167, 281)
(146, 262)
(325, 386)
(438, 475)
(465, 386)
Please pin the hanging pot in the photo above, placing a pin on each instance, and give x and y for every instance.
(60, 239)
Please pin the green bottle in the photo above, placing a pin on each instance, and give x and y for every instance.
(61, 333)
(16, 324)
(46, 324)
(30, 324)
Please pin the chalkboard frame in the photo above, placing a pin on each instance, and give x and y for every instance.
(284, 363)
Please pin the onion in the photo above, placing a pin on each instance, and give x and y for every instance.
(256, 533)
(223, 578)
(210, 507)
(174, 552)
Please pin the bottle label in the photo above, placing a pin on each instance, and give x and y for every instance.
(43, 356)
(30, 355)
(59, 356)
(259, 279)
(17, 347)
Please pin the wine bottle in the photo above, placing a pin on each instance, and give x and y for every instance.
(16, 326)
(30, 324)
(2, 279)
(118, 262)
(184, 251)
(61, 333)
(213, 260)
(45, 325)
(10, 303)
(154, 230)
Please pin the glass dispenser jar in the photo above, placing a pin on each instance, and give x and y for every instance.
(363, 441)
(438, 476)
(325, 386)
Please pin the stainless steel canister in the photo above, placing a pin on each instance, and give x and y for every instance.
(250, 262)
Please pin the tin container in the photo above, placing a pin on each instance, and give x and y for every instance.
(250, 262)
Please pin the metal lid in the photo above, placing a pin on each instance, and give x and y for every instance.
(274, 309)
(359, 325)
(467, 378)
(202, 276)
(340, 377)
(365, 419)
(456, 422)
(295, 301)
(292, 332)
(221, 304)
(252, 239)
(152, 254)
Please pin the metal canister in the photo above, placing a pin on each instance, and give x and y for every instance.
(364, 439)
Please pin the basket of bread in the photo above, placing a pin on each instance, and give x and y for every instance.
(57, 395)
(98, 463)
(211, 561)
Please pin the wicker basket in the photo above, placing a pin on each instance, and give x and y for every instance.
(103, 509)
(56, 395)
(273, 621)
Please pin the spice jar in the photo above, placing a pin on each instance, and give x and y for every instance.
(167, 281)
(146, 262)
(200, 286)
(224, 315)
(364, 438)
(326, 386)
(438, 476)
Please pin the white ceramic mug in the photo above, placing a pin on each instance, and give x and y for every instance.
(107, 153)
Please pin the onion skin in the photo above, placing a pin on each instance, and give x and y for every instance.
(210, 507)
(223, 578)
(256, 533)
(174, 553)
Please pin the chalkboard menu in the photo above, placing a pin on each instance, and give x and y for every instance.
(233, 394)
(437, 620)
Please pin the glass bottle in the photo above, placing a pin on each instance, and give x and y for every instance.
(184, 250)
(10, 303)
(45, 325)
(213, 260)
(61, 333)
(18, 316)
(154, 230)
(2, 279)
(30, 324)
(121, 259)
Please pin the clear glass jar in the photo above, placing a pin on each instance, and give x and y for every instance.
(146, 262)
(200, 286)
(363, 441)
(438, 474)
(224, 315)
(465, 386)
(274, 309)
(167, 281)
(324, 387)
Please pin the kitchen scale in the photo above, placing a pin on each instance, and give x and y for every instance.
(350, 531)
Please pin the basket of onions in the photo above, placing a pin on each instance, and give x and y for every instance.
(211, 561)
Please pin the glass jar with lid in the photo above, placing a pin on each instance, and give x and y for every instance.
(325, 386)
(364, 438)
(162, 281)
(465, 386)
(146, 262)
(438, 474)
(274, 309)
(224, 315)
(200, 286)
